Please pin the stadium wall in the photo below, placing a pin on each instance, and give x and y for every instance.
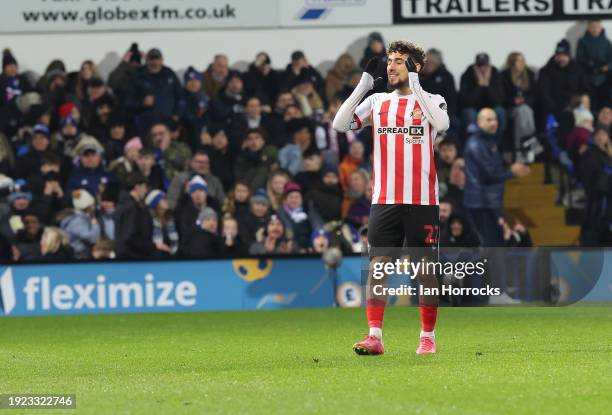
(459, 42)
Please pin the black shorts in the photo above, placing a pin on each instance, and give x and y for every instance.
(397, 226)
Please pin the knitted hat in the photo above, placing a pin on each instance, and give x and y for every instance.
(69, 119)
(20, 191)
(8, 58)
(329, 169)
(582, 116)
(133, 143)
(319, 232)
(153, 197)
(563, 47)
(260, 196)
(197, 183)
(41, 129)
(65, 109)
(206, 213)
(291, 187)
(82, 199)
(192, 74)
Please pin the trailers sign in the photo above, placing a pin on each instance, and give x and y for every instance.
(414, 11)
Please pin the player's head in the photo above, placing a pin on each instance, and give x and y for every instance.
(397, 54)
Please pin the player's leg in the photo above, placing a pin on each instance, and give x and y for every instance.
(385, 233)
(423, 233)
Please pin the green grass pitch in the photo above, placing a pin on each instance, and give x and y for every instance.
(489, 361)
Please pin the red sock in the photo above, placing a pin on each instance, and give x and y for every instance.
(375, 311)
(429, 314)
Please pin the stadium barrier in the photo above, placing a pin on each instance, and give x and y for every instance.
(247, 284)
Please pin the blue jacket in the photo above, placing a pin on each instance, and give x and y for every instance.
(485, 173)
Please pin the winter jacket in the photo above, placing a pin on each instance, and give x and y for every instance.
(88, 179)
(82, 232)
(485, 174)
(593, 53)
(133, 230)
(253, 168)
(511, 91)
(472, 95)
(556, 85)
(441, 82)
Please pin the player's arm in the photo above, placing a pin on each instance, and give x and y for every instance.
(352, 115)
(433, 106)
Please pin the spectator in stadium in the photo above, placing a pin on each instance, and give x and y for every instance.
(50, 195)
(291, 155)
(338, 75)
(133, 222)
(216, 75)
(594, 173)
(326, 198)
(481, 86)
(124, 165)
(12, 84)
(103, 249)
(88, 172)
(436, 79)
(566, 119)
(237, 201)
(604, 119)
(455, 184)
(96, 109)
(519, 85)
(309, 177)
(80, 223)
(355, 190)
(53, 90)
(106, 211)
(274, 239)
(222, 158)
(229, 102)
(299, 67)
(447, 207)
(154, 92)
(204, 241)
(256, 218)
(19, 203)
(27, 239)
(76, 82)
(231, 244)
(30, 158)
(200, 164)
(165, 235)
(319, 241)
(152, 171)
(7, 156)
(254, 117)
(375, 48)
(119, 78)
(262, 81)
(594, 54)
(354, 160)
(360, 196)
(559, 79)
(484, 178)
(275, 187)
(188, 208)
(295, 217)
(67, 137)
(172, 155)
(307, 97)
(55, 245)
(516, 236)
(336, 143)
(459, 233)
(447, 153)
(117, 138)
(195, 117)
(578, 137)
(254, 162)
(283, 100)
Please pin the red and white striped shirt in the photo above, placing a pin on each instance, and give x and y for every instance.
(403, 167)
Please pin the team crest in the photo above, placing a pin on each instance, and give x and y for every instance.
(416, 114)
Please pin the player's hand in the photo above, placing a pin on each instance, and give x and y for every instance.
(410, 65)
(372, 67)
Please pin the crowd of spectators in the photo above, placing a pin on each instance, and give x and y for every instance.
(146, 165)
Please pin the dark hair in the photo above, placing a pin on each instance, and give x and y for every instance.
(50, 158)
(257, 130)
(408, 48)
(134, 179)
